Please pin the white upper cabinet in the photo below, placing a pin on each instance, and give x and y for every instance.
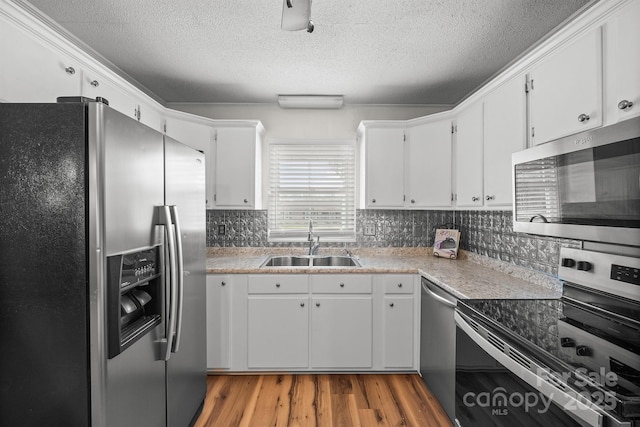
(565, 90)
(469, 143)
(622, 64)
(504, 134)
(384, 167)
(33, 71)
(95, 85)
(238, 167)
(428, 165)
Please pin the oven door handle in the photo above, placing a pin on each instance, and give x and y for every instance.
(576, 408)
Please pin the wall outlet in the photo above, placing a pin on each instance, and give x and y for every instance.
(370, 229)
(222, 229)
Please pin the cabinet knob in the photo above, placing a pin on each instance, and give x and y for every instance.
(475, 199)
(583, 118)
(373, 200)
(489, 197)
(399, 285)
(277, 285)
(301, 304)
(70, 70)
(625, 105)
(342, 285)
(223, 284)
(246, 201)
(391, 305)
(413, 200)
(317, 304)
(94, 83)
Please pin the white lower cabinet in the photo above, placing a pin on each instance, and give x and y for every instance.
(341, 331)
(278, 328)
(399, 332)
(219, 290)
(312, 322)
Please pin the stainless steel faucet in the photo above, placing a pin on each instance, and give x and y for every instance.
(313, 247)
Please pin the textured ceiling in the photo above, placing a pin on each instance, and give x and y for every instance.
(371, 51)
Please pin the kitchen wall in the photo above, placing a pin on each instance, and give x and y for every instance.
(489, 233)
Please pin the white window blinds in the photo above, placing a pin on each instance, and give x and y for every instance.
(312, 182)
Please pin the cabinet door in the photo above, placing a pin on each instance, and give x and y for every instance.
(33, 71)
(398, 331)
(504, 134)
(341, 332)
(622, 63)
(428, 165)
(469, 156)
(278, 332)
(384, 168)
(235, 169)
(218, 322)
(565, 90)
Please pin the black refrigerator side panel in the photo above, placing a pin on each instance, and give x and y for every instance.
(44, 366)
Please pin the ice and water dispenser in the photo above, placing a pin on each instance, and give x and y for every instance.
(134, 297)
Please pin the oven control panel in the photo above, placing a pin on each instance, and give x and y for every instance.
(616, 274)
(624, 273)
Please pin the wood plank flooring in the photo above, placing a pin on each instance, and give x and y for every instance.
(320, 400)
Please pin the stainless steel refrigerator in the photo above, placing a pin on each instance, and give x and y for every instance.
(102, 270)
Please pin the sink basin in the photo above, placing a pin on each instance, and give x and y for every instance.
(310, 261)
(335, 261)
(287, 261)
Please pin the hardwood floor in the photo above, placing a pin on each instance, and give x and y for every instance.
(336, 400)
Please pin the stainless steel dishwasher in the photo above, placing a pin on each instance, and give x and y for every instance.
(438, 344)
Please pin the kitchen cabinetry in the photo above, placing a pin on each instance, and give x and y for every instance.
(565, 90)
(238, 166)
(312, 322)
(469, 148)
(278, 322)
(341, 321)
(219, 288)
(428, 165)
(33, 71)
(383, 149)
(398, 333)
(504, 134)
(406, 167)
(622, 64)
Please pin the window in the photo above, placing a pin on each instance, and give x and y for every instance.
(312, 181)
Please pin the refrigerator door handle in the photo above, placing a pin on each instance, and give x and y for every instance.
(165, 218)
(180, 274)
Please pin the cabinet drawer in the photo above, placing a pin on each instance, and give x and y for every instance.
(399, 284)
(341, 283)
(277, 284)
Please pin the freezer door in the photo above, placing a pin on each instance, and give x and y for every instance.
(186, 368)
(133, 186)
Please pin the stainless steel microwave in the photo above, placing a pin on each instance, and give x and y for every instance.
(584, 186)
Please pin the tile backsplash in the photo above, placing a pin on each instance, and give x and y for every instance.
(488, 233)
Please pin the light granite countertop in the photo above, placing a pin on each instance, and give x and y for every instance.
(471, 276)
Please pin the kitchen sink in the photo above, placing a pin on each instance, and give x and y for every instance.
(310, 261)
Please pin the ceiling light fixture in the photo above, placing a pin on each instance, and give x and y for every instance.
(296, 15)
(310, 101)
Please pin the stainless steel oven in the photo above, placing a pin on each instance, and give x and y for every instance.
(573, 361)
(585, 186)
